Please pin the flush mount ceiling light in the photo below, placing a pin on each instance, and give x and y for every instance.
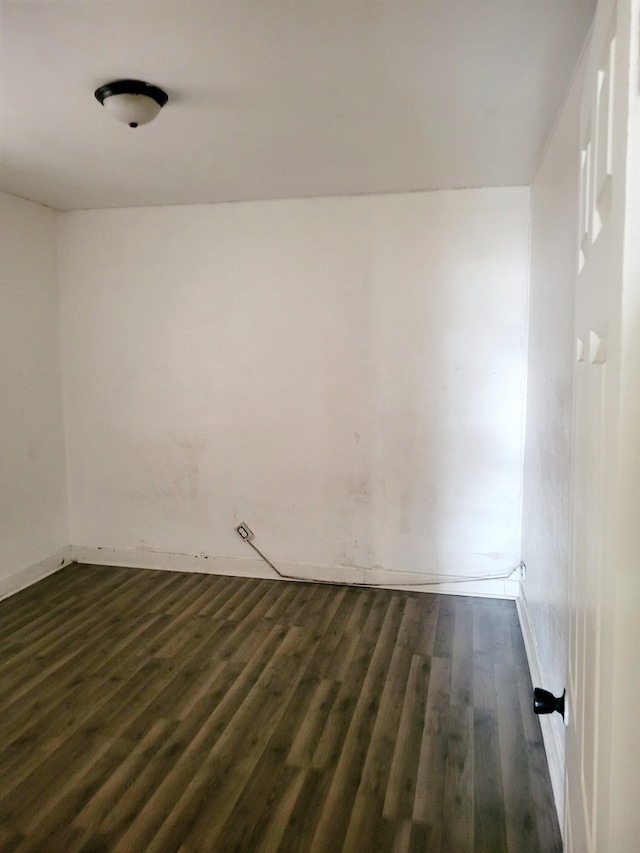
(132, 101)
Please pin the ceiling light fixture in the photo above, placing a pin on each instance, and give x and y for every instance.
(132, 101)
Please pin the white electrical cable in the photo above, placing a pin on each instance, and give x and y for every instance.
(247, 535)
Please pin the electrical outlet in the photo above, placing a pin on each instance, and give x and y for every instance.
(244, 531)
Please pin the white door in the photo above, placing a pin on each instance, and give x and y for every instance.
(605, 332)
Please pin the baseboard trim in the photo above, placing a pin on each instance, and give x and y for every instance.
(551, 726)
(145, 558)
(29, 575)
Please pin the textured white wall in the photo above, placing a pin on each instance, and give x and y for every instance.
(546, 532)
(344, 374)
(33, 491)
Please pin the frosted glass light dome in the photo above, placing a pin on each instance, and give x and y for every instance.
(132, 101)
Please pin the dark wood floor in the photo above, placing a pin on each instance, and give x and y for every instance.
(153, 711)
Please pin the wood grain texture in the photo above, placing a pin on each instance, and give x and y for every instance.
(151, 711)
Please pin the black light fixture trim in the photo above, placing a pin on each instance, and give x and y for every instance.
(132, 87)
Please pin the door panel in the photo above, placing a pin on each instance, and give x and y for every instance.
(598, 287)
(607, 326)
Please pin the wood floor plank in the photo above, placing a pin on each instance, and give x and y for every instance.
(89, 800)
(489, 809)
(356, 664)
(458, 825)
(304, 742)
(279, 818)
(62, 592)
(212, 802)
(458, 802)
(338, 806)
(160, 711)
(403, 773)
(50, 698)
(306, 813)
(432, 761)
(253, 604)
(212, 747)
(219, 594)
(521, 826)
(367, 810)
(305, 713)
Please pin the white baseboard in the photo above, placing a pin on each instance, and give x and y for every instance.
(250, 567)
(28, 575)
(551, 726)
(147, 558)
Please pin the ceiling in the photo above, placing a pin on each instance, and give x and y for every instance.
(281, 98)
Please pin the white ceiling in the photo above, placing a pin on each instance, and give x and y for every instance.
(281, 98)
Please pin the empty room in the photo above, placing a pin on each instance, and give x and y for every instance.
(319, 452)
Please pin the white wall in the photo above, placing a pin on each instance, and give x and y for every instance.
(33, 493)
(546, 533)
(346, 375)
